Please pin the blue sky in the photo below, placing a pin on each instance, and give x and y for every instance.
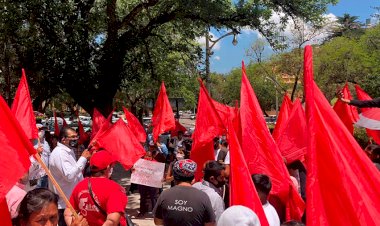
(226, 56)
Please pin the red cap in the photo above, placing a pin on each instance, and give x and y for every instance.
(100, 160)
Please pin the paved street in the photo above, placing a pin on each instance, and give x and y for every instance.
(123, 177)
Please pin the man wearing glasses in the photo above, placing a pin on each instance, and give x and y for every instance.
(64, 167)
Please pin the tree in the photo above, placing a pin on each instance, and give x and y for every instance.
(348, 26)
(256, 50)
(87, 47)
(344, 59)
(265, 88)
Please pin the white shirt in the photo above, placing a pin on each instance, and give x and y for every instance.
(66, 171)
(215, 198)
(45, 155)
(271, 214)
(226, 159)
(35, 173)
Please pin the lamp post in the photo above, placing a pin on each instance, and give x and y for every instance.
(209, 52)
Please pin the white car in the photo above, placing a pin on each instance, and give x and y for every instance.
(51, 121)
(85, 120)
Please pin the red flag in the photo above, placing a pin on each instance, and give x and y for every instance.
(178, 127)
(362, 95)
(97, 121)
(163, 116)
(83, 136)
(5, 216)
(103, 128)
(135, 125)
(283, 116)
(64, 123)
(56, 126)
(122, 143)
(100, 123)
(208, 125)
(225, 112)
(243, 191)
(237, 122)
(292, 141)
(347, 113)
(261, 152)
(22, 108)
(336, 165)
(15, 150)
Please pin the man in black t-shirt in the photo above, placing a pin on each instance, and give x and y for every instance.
(182, 204)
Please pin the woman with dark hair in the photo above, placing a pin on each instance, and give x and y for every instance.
(39, 207)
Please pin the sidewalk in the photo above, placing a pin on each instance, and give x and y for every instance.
(123, 178)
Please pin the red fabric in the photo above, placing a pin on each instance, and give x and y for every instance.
(237, 122)
(242, 189)
(225, 112)
(135, 125)
(83, 136)
(122, 143)
(283, 116)
(163, 116)
(15, 150)
(261, 152)
(101, 125)
(22, 108)
(208, 125)
(372, 114)
(292, 142)
(347, 113)
(375, 134)
(336, 165)
(64, 123)
(5, 216)
(56, 126)
(109, 195)
(97, 122)
(362, 95)
(178, 127)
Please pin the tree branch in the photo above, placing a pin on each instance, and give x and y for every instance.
(135, 11)
(112, 26)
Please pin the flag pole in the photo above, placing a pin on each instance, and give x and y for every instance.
(56, 185)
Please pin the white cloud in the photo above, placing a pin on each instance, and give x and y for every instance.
(299, 30)
(202, 41)
(293, 33)
(247, 30)
(217, 58)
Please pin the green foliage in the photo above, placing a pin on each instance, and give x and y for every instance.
(90, 48)
(348, 26)
(353, 60)
(226, 88)
(361, 137)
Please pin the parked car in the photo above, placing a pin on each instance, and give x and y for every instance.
(85, 120)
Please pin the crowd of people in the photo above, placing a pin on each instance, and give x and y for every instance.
(94, 199)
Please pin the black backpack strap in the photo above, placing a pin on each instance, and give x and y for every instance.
(92, 197)
(128, 219)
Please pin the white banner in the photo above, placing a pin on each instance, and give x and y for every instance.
(148, 173)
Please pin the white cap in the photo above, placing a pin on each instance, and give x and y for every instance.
(238, 216)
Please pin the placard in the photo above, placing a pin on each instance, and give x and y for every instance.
(148, 173)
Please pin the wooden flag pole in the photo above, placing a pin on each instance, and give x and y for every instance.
(56, 185)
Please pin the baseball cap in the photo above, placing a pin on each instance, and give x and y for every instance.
(184, 168)
(100, 160)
